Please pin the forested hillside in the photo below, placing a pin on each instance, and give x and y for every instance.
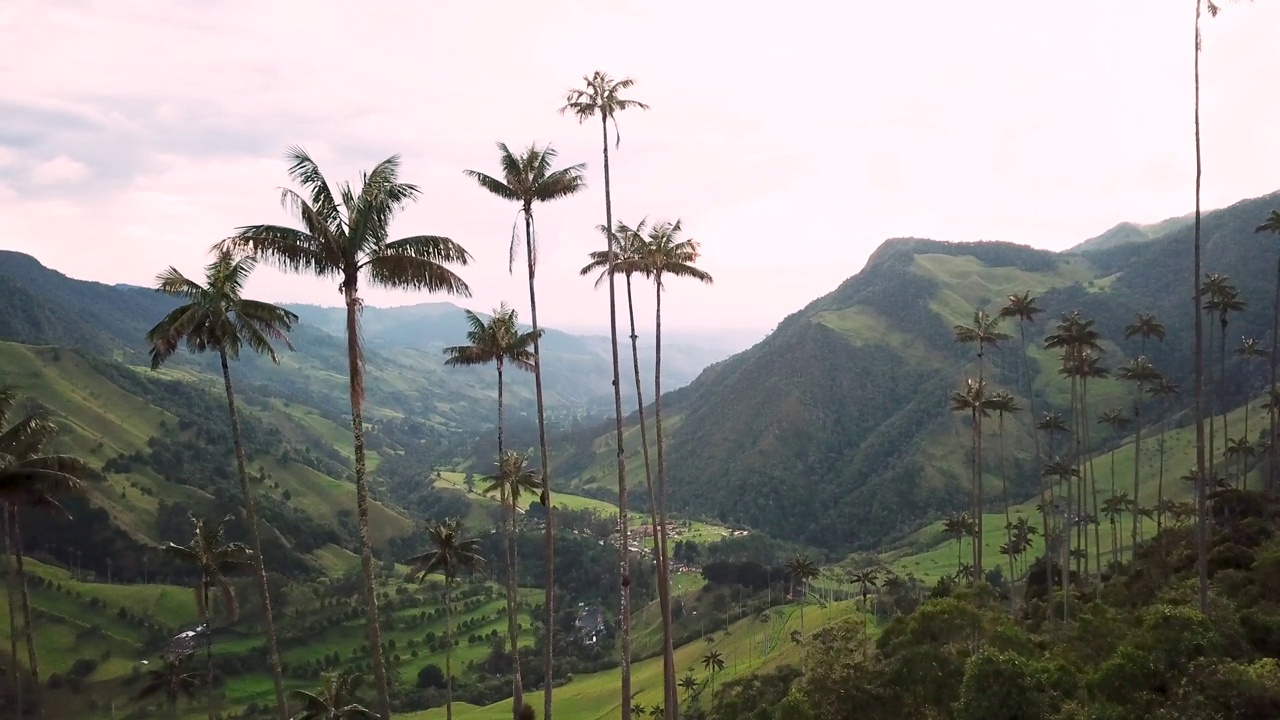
(834, 430)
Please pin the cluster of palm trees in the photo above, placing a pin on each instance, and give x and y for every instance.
(345, 233)
(1068, 488)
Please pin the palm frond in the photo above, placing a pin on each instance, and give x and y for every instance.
(419, 263)
(304, 171)
(287, 248)
(8, 398)
(493, 185)
(173, 282)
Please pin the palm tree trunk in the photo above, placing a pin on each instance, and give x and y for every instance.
(448, 651)
(1160, 487)
(624, 596)
(1275, 354)
(1212, 407)
(664, 586)
(659, 555)
(15, 677)
(1222, 390)
(545, 458)
(1202, 514)
(977, 478)
(1035, 436)
(208, 643)
(1008, 526)
(251, 518)
(1244, 465)
(355, 366)
(513, 631)
(1137, 462)
(1093, 483)
(32, 659)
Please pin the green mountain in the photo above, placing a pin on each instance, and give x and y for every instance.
(834, 430)
(1128, 232)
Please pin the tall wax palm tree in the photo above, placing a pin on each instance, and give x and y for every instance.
(1141, 373)
(1249, 349)
(601, 97)
(30, 478)
(498, 341)
(956, 526)
(1065, 471)
(217, 317)
(713, 663)
(1272, 225)
(973, 400)
(1241, 450)
(213, 560)
(1118, 422)
(512, 479)
(449, 554)
(1091, 369)
(1162, 388)
(1003, 402)
(1221, 298)
(337, 700)
(663, 255)
(801, 570)
(982, 331)
(626, 260)
(528, 178)
(1024, 307)
(1145, 326)
(172, 680)
(347, 237)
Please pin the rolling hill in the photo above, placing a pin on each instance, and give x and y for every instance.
(833, 431)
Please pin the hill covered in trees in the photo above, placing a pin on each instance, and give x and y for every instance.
(834, 430)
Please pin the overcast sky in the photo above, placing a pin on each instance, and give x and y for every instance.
(791, 138)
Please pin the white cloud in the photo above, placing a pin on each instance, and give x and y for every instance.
(7, 193)
(7, 156)
(61, 170)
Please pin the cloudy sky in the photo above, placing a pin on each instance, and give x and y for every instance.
(791, 140)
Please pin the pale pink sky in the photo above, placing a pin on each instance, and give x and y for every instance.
(791, 139)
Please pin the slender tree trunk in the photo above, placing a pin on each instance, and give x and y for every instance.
(670, 692)
(15, 676)
(664, 588)
(1244, 464)
(1160, 487)
(1035, 436)
(448, 652)
(33, 664)
(624, 596)
(1202, 510)
(1008, 524)
(508, 504)
(1222, 391)
(1137, 463)
(545, 457)
(981, 539)
(251, 518)
(208, 643)
(1275, 354)
(1212, 408)
(513, 630)
(1093, 484)
(355, 364)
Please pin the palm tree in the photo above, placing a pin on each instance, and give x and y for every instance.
(1145, 326)
(498, 341)
(1002, 402)
(1024, 307)
(512, 479)
(1223, 298)
(600, 97)
(1241, 449)
(713, 662)
(1272, 225)
(346, 241)
(213, 561)
(1162, 388)
(973, 401)
(336, 700)
(216, 317)
(801, 569)
(173, 680)
(1249, 349)
(1140, 372)
(626, 259)
(527, 179)
(29, 478)
(957, 526)
(983, 331)
(1065, 471)
(449, 554)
